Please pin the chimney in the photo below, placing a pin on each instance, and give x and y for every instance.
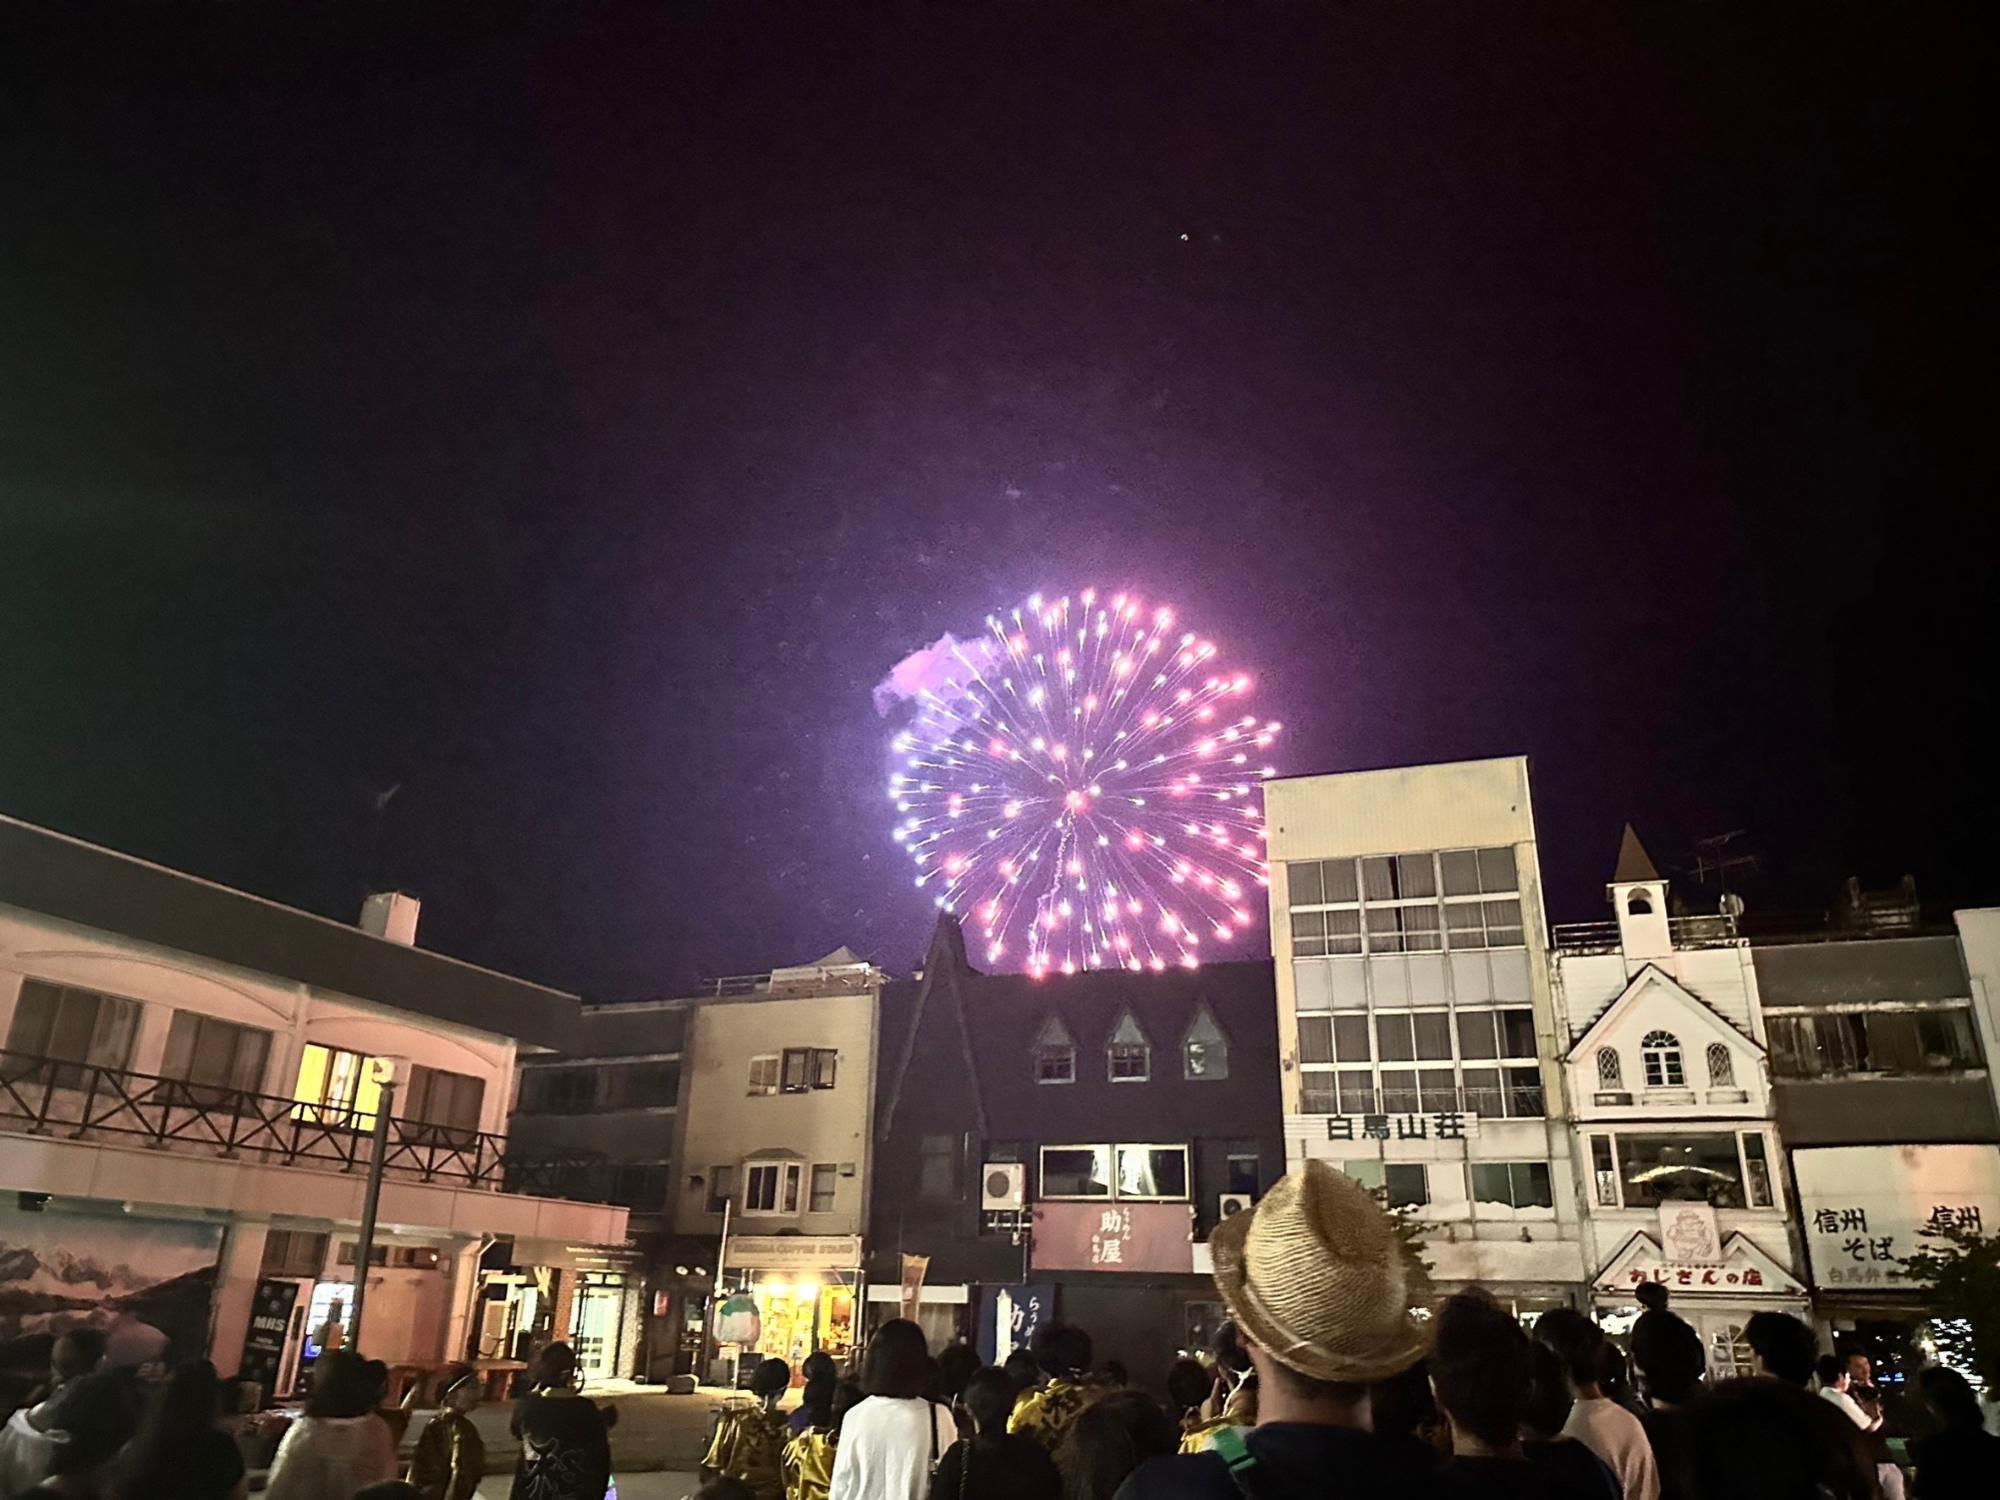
(392, 915)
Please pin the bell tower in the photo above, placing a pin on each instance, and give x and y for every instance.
(1639, 895)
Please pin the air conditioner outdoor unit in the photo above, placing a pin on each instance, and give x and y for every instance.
(1231, 1203)
(1003, 1185)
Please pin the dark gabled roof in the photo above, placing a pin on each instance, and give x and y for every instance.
(946, 969)
(1635, 865)
(58, 876)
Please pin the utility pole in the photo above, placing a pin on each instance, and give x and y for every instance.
(364, 1246)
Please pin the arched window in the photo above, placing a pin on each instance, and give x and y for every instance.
(1610, 1072)
(1721, 1071)
(1639, 904)
(1662, 1052)
(1205, 1050)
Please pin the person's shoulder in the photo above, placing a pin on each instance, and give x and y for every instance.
(1180, 1476)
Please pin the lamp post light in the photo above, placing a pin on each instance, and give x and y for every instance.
(384, 1070)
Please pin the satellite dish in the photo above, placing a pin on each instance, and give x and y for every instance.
(1731, 905)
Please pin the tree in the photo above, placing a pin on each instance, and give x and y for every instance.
(1962, 1269)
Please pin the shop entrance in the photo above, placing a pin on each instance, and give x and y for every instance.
(597, 1324)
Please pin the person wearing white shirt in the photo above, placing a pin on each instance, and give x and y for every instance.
(1595, 1420)
(891, 1441)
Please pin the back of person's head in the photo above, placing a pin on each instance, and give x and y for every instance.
(99, 1415)
(76, 1353)
(818, 1363)
(955, 1363)
(722, 1487)
(390, 1489)
(1403, 1403)
(1951, 1396)
(1831, 1370)
(378, 1379)
(816, 1397)
(1022, 1368)
(1652, 1296)
(342, 1386)
(1061, 1349)
(1115, 1373)
(1766, 1440)
(1614, 1372)
(770, 1378)
(1669, 1357)
(555, 1367)
(846, 1396)
(898, 1363)
(988, 1399)
(191, 1398)
(1549, 1399)
(1109, 1439)
(1480, 1367)
(1576, 1341)
(1228, 1348)
(1188, 1384)
(1785, 1346)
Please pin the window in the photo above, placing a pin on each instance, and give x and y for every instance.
(1076, 1172)
(1514, 1184)
(1721, 1072)
(1152, 1172)
(1610, 1072)
(74, 1029)
(1661, 1051)
(559, 1091)
(1406, 1184)
(721, 1184)
(1055, 1053)
(434, 1097)
(1604, 1171)
(825, 1181)
(764, 1074)
(807, 1068)
(1240, 1170)
(1639, 904)
(642, 1085)
(771, 1187)
(293, 1252)
(641, 1186)
(1657, 1169)
(1204, 1051)
(1129, 1057)
(1368, 1173)
(336, 1087)
(1756, 1170)
(215, 1054)
(1832, 1044)
(937, 1168)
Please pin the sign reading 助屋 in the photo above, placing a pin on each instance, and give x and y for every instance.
(1123, 1236)
(1865, 1208)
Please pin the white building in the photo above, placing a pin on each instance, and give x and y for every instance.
(188, 1088)
(1670, 1093)
(1417, 1041)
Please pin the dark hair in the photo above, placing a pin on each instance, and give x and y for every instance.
(1766, 1440)
(555, 1365)
(1060, 1349)
(1109, 1439)
(1305, 1387)
(76, 1352)
(1668, 1353)
(1022, 1368)
(1577, 1342)
(1829, 1368)
(1114, 1371)
(1228, 1348)
(816, 1399)
(342, 1386)
(1614, 1375)
(99, 1415)
(1549, 1400)
(989, 1401)
(185, 1406)
(1188, 1384)
(770, 1377)
(1480, 1366)
(1950, 1395)
(1785, 1345)
(898, 1363)
(956, 1362)
(846, 1396)
(723, 1487)
(1652, 1296)
(390, 1489)
(819, 1362)
(1403, 1403)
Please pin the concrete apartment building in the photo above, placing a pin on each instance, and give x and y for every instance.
(1418, 1045)
(1671, 1101)
(188, 1089)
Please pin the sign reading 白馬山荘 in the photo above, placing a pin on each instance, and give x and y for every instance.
(1865, 1209)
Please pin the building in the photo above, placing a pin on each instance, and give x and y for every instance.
(1884, 1098)
(1418, 1045)
(188, 1092)
(1066, 1143)
(1670, 1095)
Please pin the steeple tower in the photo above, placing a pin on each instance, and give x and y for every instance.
(1639, 895)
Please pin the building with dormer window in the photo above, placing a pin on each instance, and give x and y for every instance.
(1669, 1090)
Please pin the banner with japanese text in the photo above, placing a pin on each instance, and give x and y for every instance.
(1122, 1236)
(914, 1267)
(1865, 1208)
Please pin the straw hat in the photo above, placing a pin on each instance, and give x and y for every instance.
(1318, 1276)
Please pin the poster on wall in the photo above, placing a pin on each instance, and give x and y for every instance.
(264, 1339)
(1865, 1208)
(145, 1283)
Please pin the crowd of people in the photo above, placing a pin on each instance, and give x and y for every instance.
(1326, 1384)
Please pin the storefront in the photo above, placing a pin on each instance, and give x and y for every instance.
(1717, 1282)
(804, 1288)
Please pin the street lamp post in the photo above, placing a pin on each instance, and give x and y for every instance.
(364, 1245)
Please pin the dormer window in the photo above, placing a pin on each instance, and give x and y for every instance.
(1205, 1050)
(1721, 1071)
(1055, 1053)
(1128, 1056)
(1662, 1053)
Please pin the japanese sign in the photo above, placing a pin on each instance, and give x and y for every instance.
(1113, 1237)
(1741, 1268)
(914, 1267)
(1864, 1208)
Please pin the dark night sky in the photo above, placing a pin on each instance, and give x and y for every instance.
(570, 411)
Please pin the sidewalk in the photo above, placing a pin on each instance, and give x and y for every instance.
(655, 1432)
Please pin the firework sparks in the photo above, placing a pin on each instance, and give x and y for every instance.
(1083, 788)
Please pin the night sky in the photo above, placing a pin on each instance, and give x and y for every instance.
(567, 413)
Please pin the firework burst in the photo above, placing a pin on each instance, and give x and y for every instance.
(1082, 788)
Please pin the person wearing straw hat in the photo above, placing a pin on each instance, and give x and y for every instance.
(1321, 1286)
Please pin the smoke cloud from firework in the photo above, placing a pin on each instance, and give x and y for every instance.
(1081, 785)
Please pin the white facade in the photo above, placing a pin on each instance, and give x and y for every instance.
(1670, 1092)
(1418, 1047)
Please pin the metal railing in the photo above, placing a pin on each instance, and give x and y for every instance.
(1686, 932)
(1506, 1101)
(79, 1101)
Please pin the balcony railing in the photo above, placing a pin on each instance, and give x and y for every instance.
(1686, 932)
(1521, 1101)
(76, 1101)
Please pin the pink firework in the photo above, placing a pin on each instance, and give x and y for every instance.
(1083, 789)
